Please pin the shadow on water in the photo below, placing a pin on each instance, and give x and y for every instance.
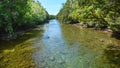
(29, 35)
(112, 55)
(117, 36)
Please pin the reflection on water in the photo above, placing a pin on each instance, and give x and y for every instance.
(70, 47)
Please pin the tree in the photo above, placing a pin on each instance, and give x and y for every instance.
(15, 14)
(94, 13)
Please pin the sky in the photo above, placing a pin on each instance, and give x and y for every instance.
(52, 6)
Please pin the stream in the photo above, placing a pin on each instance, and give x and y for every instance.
(66, 46)
(58, 45)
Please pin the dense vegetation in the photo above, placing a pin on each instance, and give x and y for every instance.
(52, 16)
(17, 14)
(92, 13)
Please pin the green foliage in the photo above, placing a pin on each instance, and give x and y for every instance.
(19, 13)
(38, 13)
(52, 16)
(93, 13)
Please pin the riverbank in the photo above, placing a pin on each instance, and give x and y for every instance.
(17, 53)
(108, 31)
(19, 31)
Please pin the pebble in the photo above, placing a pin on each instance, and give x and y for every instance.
(52, 58)
(32, 65)
(61, 62)
(102, 40)
(42, 60)
(64, 52)
(42, 65)
(1, 57)
(6, 60)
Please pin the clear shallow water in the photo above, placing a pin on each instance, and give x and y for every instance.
(70, 47)
(54, 53)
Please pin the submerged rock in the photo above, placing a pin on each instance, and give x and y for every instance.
(61, 61)
(102, 40)
(46, 37)
(64, 52)
(43, 64)
(32, 65)
(42, 60)
(52, 58)
(6, 60)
